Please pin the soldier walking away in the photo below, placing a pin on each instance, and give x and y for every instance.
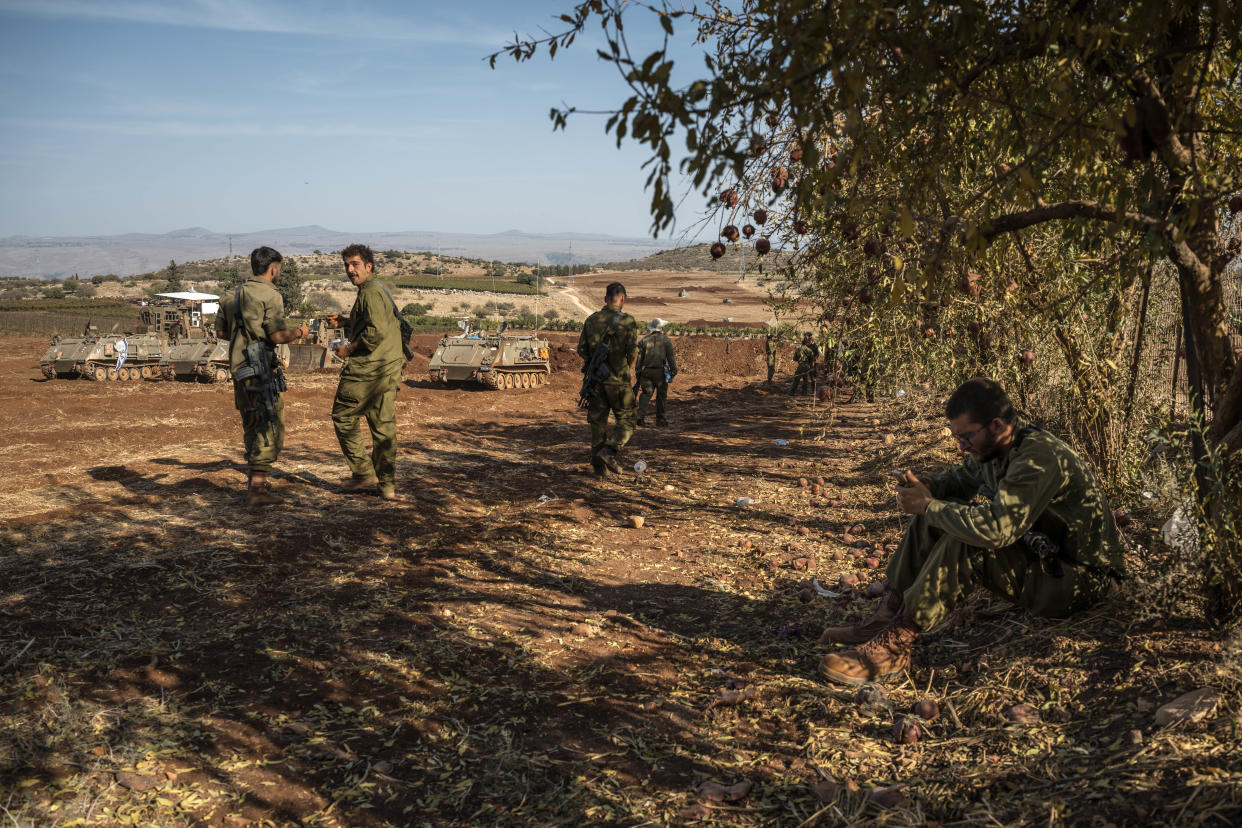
(771, 349)
(1044, 537)
(657, 366)
(807, 355)
(256, 313)
(122, 352)
(618, 331)
(369, 380)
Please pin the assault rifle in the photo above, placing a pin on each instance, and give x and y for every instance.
(596, 369)
(264, 383)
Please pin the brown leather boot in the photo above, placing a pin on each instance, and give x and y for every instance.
(259, 492)
(360, 484)
(868, 628)
(886, 655)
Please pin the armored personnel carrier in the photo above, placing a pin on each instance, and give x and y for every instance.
(203, 358)
(497, 360)
(65, 358)
(94, 357)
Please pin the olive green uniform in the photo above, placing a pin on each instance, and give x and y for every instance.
(615, 394)
(804, 377)
(655, 357)
(368, 387)
(262, 313)
(771, 346)
(958, 544)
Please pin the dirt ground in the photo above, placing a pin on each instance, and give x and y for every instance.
(501, 647)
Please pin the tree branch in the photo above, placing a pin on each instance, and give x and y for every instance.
(1073, 208)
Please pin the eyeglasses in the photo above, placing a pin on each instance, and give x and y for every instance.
(964, 440)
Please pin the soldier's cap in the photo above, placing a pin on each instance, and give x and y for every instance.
(657, 324)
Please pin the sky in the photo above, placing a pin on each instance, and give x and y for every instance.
(242, 115)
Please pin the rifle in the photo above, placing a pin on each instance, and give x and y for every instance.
(266, 383)
(596, 369)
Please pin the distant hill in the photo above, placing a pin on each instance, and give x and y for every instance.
(134, 253)
(699, 257)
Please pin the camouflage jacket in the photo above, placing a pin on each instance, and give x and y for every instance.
(807, 352)
(624, 343)
(1041, 484)
(655, 353)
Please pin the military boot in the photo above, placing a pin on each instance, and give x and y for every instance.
(360, 484)
(608, 456)
(886, 655)
(868, 628)
(259, 492)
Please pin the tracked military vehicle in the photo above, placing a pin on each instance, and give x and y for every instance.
(203, 358)
(66, 358)
(94, 357)
(497, 360)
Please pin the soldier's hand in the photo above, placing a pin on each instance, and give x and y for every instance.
(343, 351)
(913, 495)
(303, 331)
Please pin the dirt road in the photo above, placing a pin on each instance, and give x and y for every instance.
(500, 647)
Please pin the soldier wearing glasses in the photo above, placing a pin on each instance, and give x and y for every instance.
(1023, 517)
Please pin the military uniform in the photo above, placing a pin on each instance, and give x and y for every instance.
(655, 357)
(806, 355)
(771, 346)
(1042, 484)
(368, 387)
(615, 394)
(262, 313)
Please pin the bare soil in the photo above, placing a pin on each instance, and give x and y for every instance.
(500, 647)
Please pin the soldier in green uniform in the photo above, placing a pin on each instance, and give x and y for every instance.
(369, 380)
(806, 355)
(657, 366)
(260, 316)
(1043, 535)
(615, 394)
(771, 348)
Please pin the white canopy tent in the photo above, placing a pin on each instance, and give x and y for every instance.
(192, 296)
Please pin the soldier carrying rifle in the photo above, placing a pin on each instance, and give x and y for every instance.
(253, 321)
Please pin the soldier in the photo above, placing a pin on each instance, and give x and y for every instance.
(806, 355)
(176, 330)
(656, 368)
(1045, 538)
(771, 348)
(260, 316)
(615, 394)
(369, 380)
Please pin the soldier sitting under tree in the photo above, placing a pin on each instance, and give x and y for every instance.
(657, 366)
(806, 355)
(1043, 536)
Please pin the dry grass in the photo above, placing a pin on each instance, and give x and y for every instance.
(475, 655)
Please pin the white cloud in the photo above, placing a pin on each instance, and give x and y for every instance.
(274, 16)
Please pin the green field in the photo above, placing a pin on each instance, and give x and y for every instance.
(478, 284)
(84, 307)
